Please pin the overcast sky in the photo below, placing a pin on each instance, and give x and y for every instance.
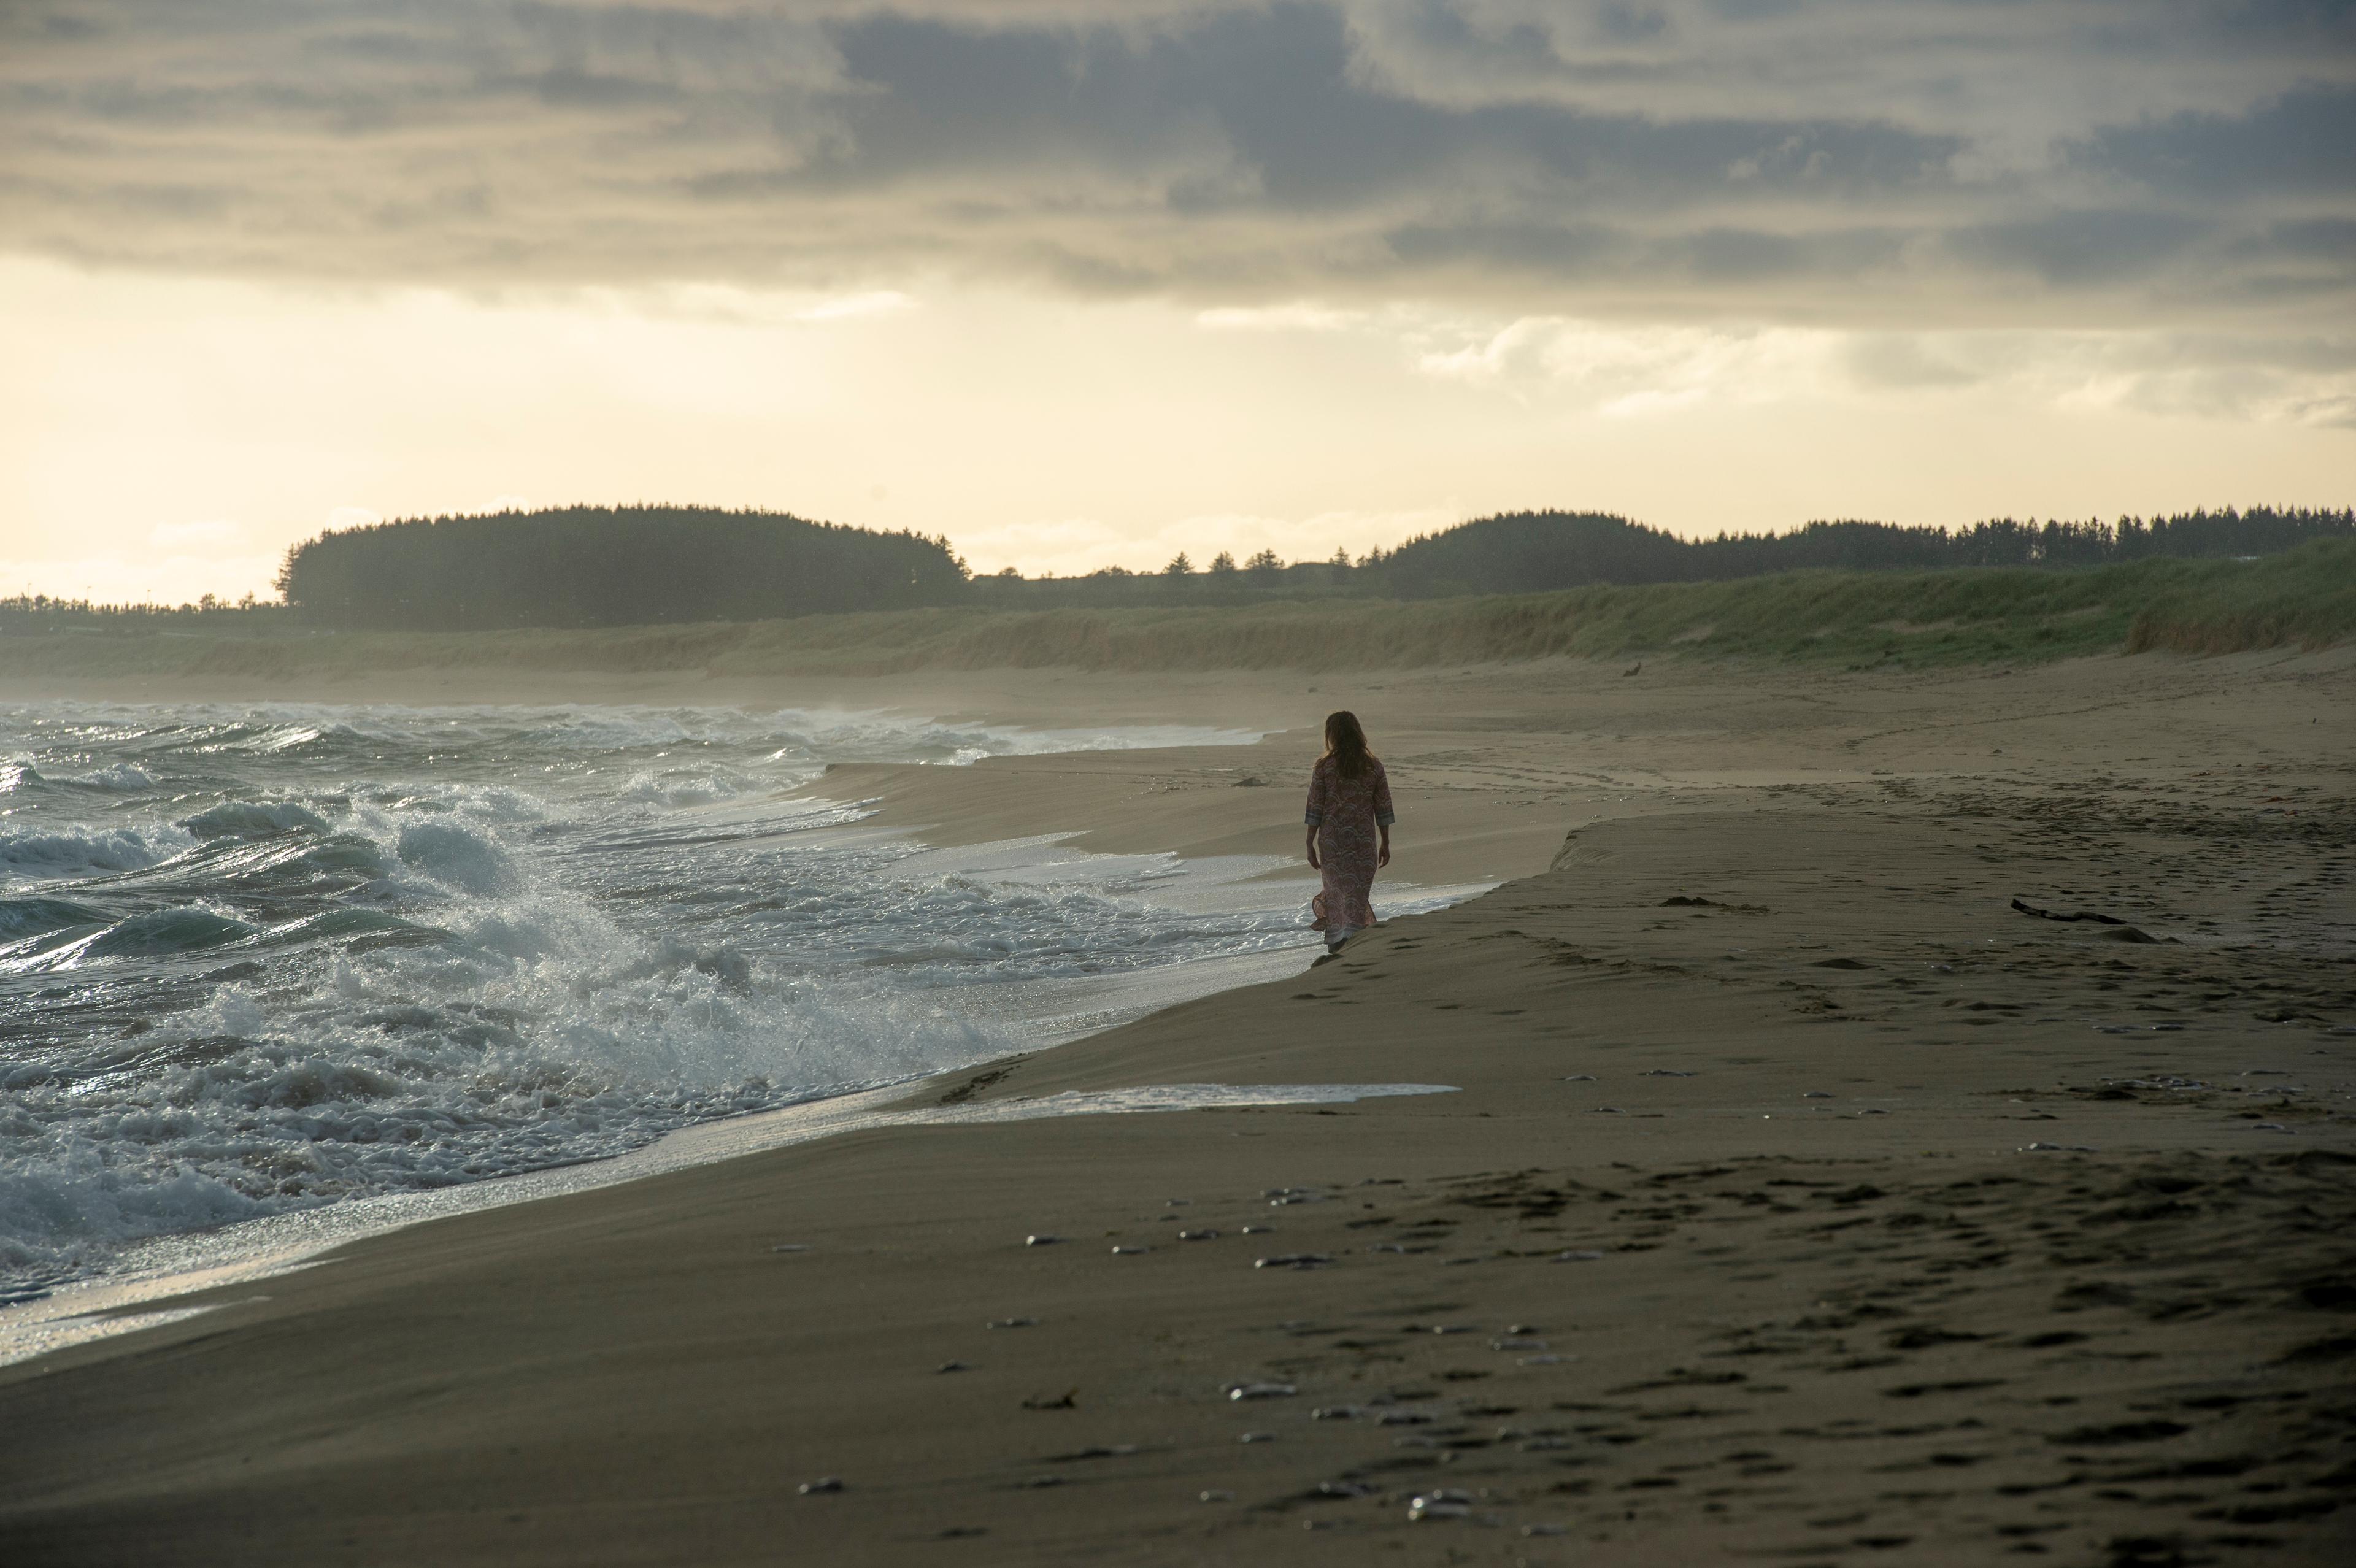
(1078, 281)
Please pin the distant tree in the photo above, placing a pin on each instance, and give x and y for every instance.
(1341, 559)
(1009, 571)
(1265, 561)
(1179, 566)
(608, 566)
(1223, 562)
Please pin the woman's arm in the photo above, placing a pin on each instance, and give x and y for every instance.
(1315, 811)
(1313, 864)
(1383, 816)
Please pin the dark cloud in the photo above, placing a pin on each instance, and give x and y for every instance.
(2323, 239)
(2304, 142)
(1712, 256)
(1276, 93)
(1949, 160)
(2076, 250)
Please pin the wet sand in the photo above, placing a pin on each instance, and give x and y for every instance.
(1801, 1201)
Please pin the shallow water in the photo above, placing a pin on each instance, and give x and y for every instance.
(166, 1267)
(257, 960)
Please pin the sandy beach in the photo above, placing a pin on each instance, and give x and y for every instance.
(1903, 1118)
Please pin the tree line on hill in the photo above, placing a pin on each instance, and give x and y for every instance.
(604, 566)
(1541, 550)
(1536, 553)
(608, 566)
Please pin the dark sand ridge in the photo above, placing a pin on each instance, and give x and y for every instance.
(1811, 1333)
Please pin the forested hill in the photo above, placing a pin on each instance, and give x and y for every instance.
(1531, 553)
(599, 566)
(610, 566)
(1541, 552)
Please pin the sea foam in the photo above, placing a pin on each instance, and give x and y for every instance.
(288, 957)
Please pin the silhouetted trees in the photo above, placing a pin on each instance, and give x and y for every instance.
(1533, 552)
(43, 613)
(592, 566)
(1529, 552)
(606, 566)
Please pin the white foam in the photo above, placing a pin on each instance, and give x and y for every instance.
(121, 778)
(834, 734)
(54, 854)
(689, 786)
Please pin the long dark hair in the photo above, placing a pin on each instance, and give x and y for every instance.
(1346, 743)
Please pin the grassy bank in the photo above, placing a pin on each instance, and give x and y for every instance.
(2305, 598)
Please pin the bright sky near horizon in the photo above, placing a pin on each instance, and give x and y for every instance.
(1088, 282)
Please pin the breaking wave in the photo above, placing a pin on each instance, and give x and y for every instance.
(259, 960)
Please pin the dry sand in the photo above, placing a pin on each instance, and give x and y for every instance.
(1803, 1202)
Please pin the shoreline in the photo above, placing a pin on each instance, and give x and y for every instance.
(258, 1249)
(1798, 1194)
(161, 1267)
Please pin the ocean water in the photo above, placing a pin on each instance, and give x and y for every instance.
(256, 960)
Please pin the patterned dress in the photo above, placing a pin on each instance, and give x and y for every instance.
(1346, 812)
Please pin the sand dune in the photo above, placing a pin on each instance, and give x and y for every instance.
(1801, 1199)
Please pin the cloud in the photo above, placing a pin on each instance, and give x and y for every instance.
(2299, 142)
(1616, 369)
(1297, 315)
(1943, 163)
(849, 307)
(2076, 248)
(1609, 368)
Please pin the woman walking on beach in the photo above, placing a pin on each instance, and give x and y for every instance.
(1349, 819)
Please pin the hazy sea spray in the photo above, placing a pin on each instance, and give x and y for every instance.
(325, 953)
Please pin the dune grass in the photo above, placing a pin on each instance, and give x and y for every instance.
(2305, 597)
